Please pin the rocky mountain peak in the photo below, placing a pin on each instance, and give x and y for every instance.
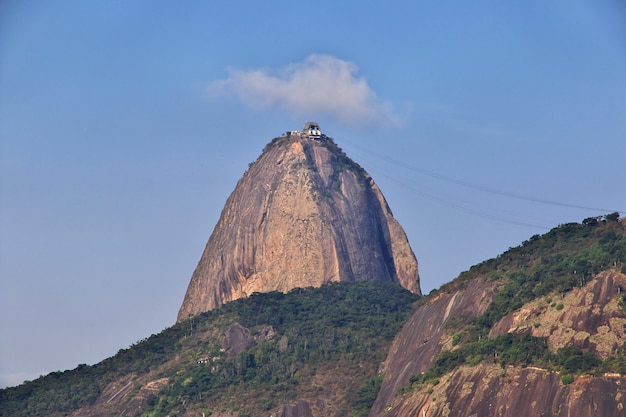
(304, 214)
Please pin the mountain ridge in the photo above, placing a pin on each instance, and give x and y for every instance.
(304, 214)
(438, 363)
(560, 291)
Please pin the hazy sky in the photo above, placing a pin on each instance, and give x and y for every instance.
(124, 126)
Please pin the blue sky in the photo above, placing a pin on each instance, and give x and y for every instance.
(124, 126)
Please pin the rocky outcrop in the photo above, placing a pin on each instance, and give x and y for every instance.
(301, 408)
(589, 317)
(489, 390)
(423, 337)
(236, 339)
(303, 215)
(126, 397)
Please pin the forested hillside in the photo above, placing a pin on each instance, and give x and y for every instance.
(251, 355)
(565, 258)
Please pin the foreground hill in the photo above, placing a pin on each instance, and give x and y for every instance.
(537, 331)
(315, 350)
(304, 214)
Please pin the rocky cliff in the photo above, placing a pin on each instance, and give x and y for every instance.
(425, 335)
(590, 319)
(574, 366)
(488, 390)
(304, 214)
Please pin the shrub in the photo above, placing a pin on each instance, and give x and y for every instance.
(558, 261)
(573, 360)
(365, 396)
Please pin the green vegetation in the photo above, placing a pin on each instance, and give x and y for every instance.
(571, 359)
(276, 142)
(56, 394)
(615, 363)
(333, 326)
(507, 349)
(622, 301)
(59, 393)
(521, 350)
(564, 258)
(365, 396)
(339, 330)
(341, 162)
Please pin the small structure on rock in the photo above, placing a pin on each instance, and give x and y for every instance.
(313, 130)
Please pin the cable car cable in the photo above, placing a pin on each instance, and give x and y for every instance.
(475, 186)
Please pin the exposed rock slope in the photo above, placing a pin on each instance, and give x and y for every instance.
(304, 214)
(424, 336)
(591, 320)
(488, 390)
(562, 292)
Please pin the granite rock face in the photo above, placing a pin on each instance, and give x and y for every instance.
(488, 390)
(304, 214)
(592, 319)
(424, 336)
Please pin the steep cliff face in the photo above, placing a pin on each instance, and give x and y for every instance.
(424, 336)
(590, 318)
(304, 214)
(488, 390)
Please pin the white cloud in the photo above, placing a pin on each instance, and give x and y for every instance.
(321, 85)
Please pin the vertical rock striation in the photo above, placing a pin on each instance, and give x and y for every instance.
(304, 214)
